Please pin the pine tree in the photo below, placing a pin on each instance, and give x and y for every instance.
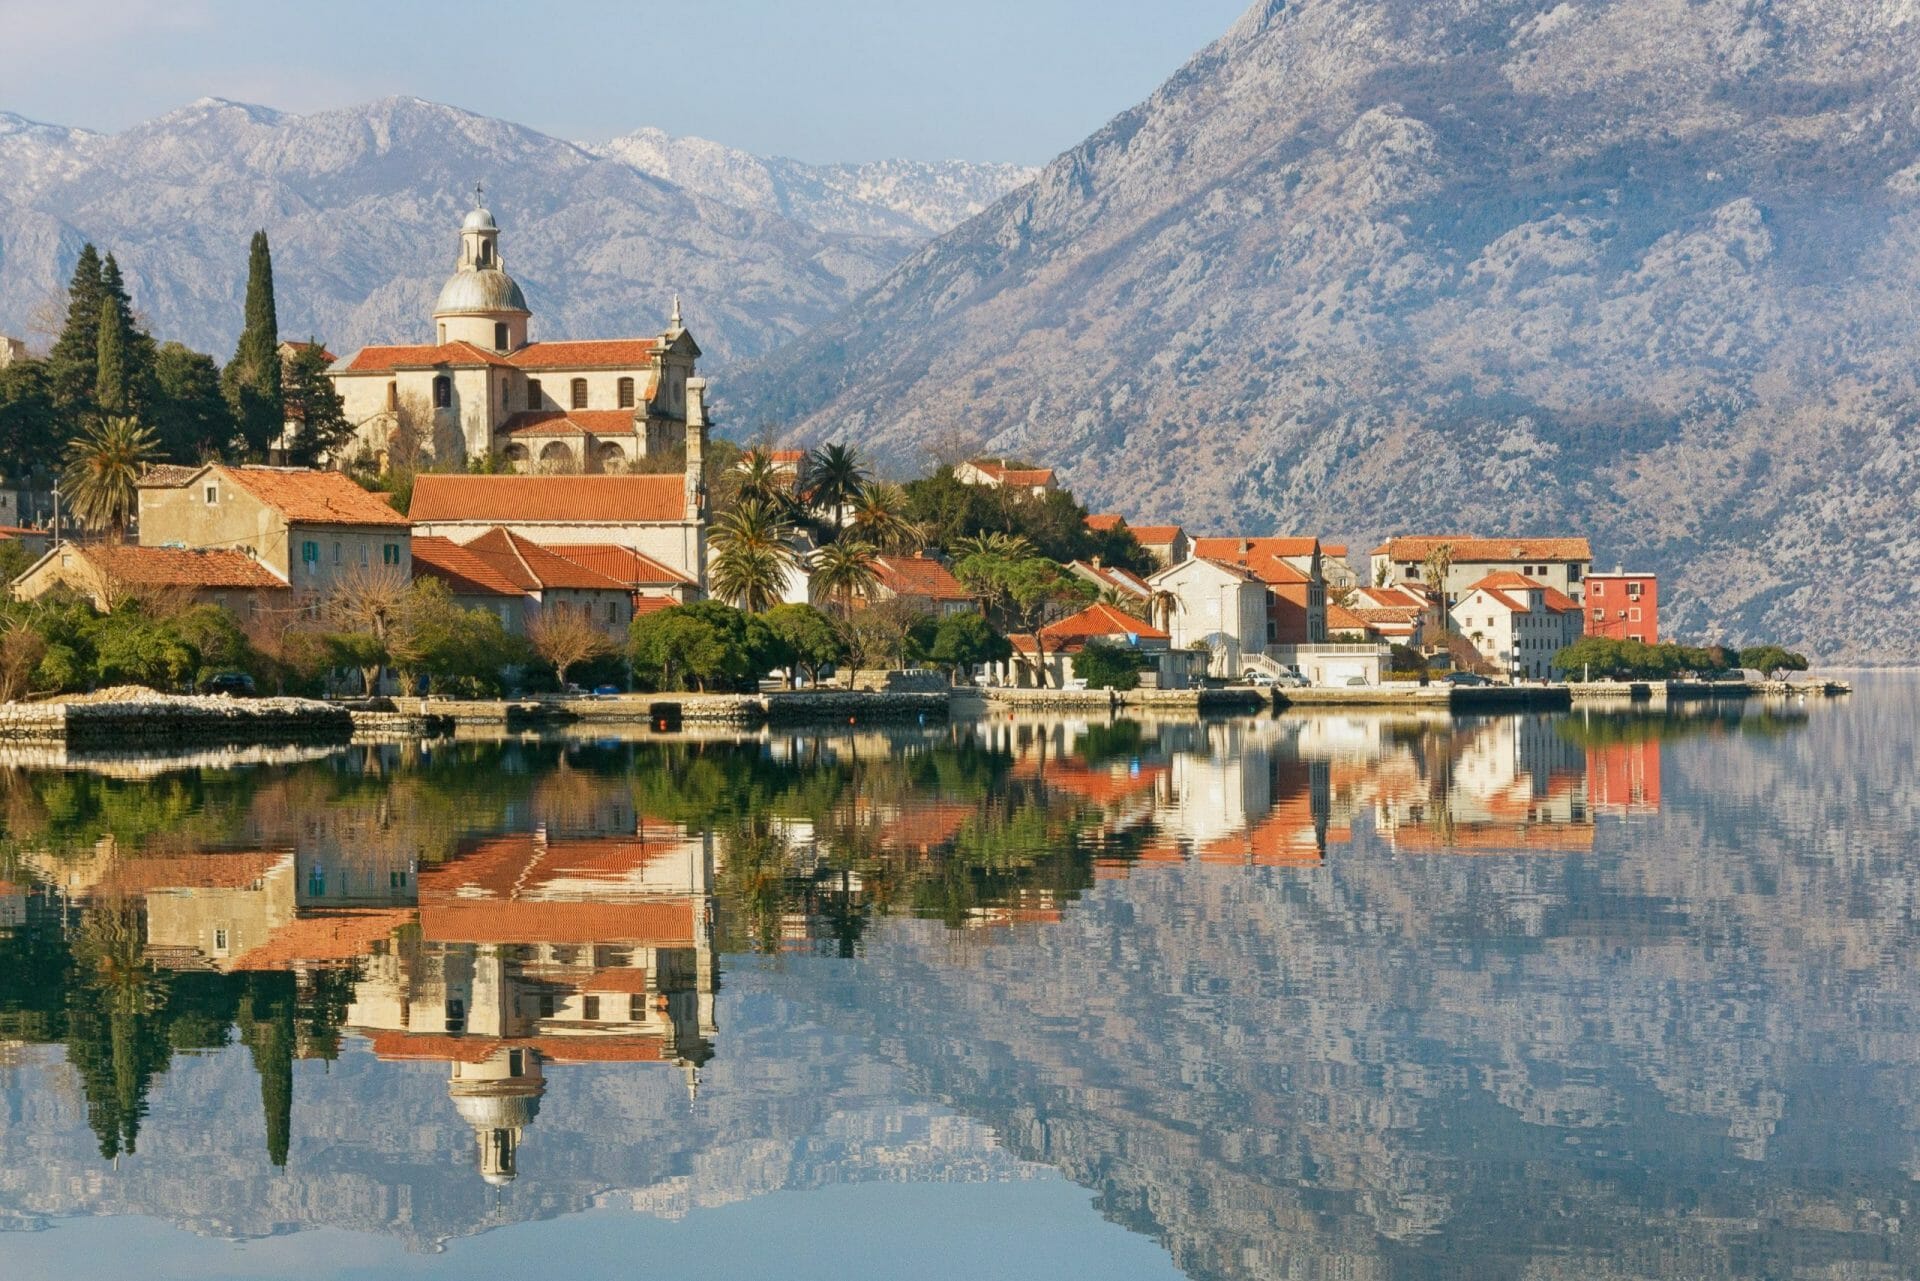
(110, 365)
(312, 402)
(252, 378)
(190, 412)
(73, 364)
(137, 348)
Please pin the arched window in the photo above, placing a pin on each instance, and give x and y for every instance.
(443, 333)
(579, 393)
(533, 393)
(442, 391)
(500, 335)
(486, 253)
(626, 393)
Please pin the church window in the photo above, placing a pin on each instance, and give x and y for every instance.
(500, 335)
(393, 396)
(533, 393)
(626, 393)
(579, 393)
(443, 333)
(442, 391)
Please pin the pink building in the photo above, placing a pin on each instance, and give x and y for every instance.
(1623, 606)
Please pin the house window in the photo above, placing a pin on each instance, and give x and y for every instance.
(626, 393)
(390, 554)
(442, 391)
(317, 881)
(456, 1014)
(1633, 591)
(363, 555)
(533, 393)
(613, 612)
(393, 396)
(500, 335)
(1599, 615)
(590, 1009)
(636, 1008)
(1599, 589)
(546, 1005)
(310, 552)
(579, 393)
(1633, 615)
(336, 552)
(396, 880)
(220, 941)
(213, 494)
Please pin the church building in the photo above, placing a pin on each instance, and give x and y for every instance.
(482, 387)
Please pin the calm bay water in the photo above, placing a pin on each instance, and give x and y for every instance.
(1598, 995)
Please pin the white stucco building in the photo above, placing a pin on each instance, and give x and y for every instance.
(484, 386)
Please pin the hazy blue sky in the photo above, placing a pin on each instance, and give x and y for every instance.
(817, 79)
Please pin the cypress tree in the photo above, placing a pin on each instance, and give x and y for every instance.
(110, 378)
(73, 364)
(252, 378)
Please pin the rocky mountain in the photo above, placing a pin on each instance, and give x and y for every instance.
(361, 205)
(908, 199)
(1644, 271)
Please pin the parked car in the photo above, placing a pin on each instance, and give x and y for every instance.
(1258, 679)
(1292, 680)
(1358, 680)
(1465, 678)
(606, 691)
(232, 684)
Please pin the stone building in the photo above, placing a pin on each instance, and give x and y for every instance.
(483, 386)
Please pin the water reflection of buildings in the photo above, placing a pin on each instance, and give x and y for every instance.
(519, 951)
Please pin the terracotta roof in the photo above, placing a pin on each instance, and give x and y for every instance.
(622, 564)
(168, 476)
(644, 605)
(1154, 535)
(1390, 597)
(579, 1048)
(1482, 551)
(589, 354)
(554, 422)
(1498, 584)
(1336, 550)
(633, 982)
(1100, 620)
(147, 875)
(918, 576)
(531, 567)
(1243, 548)
(422, 356)
(1017, 476)
(307, 497)
(1238, 571)
(1105, 521)
(297, 345)
(180, 567)
(1342, 619)
(586, 500)
(326, 936)
(464, 573)
(787, 456)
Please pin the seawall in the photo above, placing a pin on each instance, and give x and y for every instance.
(167, 721)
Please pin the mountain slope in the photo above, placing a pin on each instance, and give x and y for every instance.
(1639, 270)
(362, 207)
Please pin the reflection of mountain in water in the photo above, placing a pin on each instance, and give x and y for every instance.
(1213, 971)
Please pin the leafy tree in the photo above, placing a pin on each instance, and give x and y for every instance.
(214, 636)
(1768, 659)
(881, 635)
(133, 649)
(190, 413)
(1104, 666)
(458, 650)
(252, 377)
(73, 366)
(1025, 594)
(29, 436)
(752, 555)
(312, 402)
(566, 638)
(103, 470)
(707, 642)
(808, 636)
(961, 642)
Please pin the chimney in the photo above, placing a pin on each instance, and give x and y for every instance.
(696, 449)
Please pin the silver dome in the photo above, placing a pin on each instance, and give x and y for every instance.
(501, 1111)
(479, 220)
(484, 289)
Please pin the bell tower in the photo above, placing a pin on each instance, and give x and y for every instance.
(480, 302)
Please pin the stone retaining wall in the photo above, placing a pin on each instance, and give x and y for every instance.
(1229, 701)
(168, 720)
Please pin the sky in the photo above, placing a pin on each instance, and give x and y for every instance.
(817, 80)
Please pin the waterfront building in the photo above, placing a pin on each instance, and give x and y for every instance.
(106, 573)
(1057, 644)
(1624, 606)
(1559, 563)
(1214, 606)
(1517, 624)
(484, 387)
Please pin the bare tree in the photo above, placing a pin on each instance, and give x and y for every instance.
(566, 637)
(21, 649)
(364, 604)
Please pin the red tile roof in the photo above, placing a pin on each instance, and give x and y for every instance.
(918, 576)
(464, 573)
(323, 937)
(644, 605)
(422, 356)
(179, 567)
(555, 422)
(1014, 476)
(168, 475)
(1117, 579)
(134, 876)
(314, 497)
(1505, 581)
(1483, 551)
(1342, 619)
(618, 353)
(1105, 521)
(582, 500)
(1265, 557)
(1099, 621)
(531, 567)
(1155, 535)
(622, 564)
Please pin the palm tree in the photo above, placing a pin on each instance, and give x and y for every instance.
(845, 570)
(1127, 603)
(880, 518)
(834, 478)
(102, 475)
(753, 555)
(994, 543)
(759, 476)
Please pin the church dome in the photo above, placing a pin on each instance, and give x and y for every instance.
(483, 289)
(479, 220)
(498, 1111)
